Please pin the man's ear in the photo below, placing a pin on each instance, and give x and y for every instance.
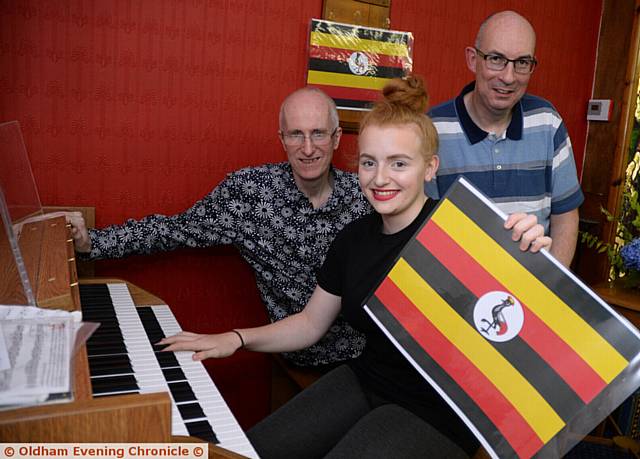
(336, 138)
(471, 57)
(282, 140)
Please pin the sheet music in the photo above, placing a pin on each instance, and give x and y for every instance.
(5, 363)
(38, 344)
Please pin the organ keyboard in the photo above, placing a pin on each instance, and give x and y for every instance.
(38, 266)
(124, 360)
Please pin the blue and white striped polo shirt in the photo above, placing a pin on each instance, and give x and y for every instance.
(529, 169)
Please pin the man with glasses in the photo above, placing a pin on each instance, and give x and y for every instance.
(281, 217)
(512, 145)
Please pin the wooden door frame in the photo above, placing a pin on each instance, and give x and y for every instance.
(616, 78)
(627, 115)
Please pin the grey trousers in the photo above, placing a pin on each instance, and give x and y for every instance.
(334, 419)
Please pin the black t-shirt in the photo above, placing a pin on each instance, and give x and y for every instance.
(359, 258)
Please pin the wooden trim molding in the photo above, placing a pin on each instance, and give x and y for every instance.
(607, 142)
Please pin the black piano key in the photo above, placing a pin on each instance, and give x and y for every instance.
(102, 351)
(100, 361)
(99, 388)
(190, 411)
(106, 349)
(125, 388)
(114, 369)
(104, 307)
(148, 318)
(90, 298)
(174, 374)
(107, 341)
(155, 337)
(109, 337)
(158, 347)
(100, 318)
(106, 371)
(109, 324)
(128, 388)
(96, 300)
(108, 327)
(105, 310)
(105, 296)
(199, 427)
(109, 359)
(151, 331)
(167, 359)
(145, 313)
(96, 304)
(116, 381)
(107, 393)
(151, 328)
(203, 430)
(182, 392)
(88, 288)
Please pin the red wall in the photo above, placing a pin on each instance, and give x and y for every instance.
(139, 107)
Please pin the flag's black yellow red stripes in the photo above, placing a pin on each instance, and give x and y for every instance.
(338, 66)
(442, 337)
(425, 336)
(457, 292)
(343, 55)
(539, 337)
(356, 61)
(587, 342)
(555, 281)
(363, 33)
(521, 394)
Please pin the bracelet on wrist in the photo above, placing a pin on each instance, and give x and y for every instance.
(239, 336)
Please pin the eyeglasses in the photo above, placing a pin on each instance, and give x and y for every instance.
(496, 62)
(317, 137)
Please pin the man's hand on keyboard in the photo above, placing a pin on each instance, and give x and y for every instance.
(205, 346)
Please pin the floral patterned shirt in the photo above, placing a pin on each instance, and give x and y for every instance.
(262, 212)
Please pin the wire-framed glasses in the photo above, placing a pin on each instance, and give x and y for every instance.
(317, 137)
(498, 62)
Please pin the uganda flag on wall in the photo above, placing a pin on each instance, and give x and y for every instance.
(527, 355)
(353, 63)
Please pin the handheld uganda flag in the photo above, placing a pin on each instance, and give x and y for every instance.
(527, 356)
(353, 63)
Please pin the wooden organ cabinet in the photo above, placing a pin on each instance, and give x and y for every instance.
(119, 418)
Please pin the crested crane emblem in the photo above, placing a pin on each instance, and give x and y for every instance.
(358, 63)
(498, 316)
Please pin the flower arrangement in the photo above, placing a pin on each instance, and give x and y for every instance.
(630, 254)
(624, 252)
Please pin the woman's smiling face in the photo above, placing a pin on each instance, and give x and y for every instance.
(392, 170)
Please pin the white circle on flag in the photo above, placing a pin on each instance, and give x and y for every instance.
(498, 316)
(358, 63)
